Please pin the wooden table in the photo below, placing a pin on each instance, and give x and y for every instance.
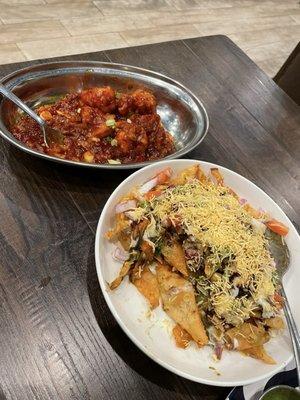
(58, 340)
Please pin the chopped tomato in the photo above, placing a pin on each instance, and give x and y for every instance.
(277, 227)
(152, 194)
(163, 176)
(278, 299)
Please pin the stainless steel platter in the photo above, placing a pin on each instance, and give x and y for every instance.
(181, 112)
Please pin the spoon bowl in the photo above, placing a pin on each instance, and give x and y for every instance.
(50, 135)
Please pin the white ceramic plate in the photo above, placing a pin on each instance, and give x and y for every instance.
(152, 333)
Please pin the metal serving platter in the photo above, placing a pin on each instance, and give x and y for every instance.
(181, 112)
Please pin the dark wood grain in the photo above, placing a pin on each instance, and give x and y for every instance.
(58, 340)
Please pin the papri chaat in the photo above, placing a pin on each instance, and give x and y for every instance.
(191, 244)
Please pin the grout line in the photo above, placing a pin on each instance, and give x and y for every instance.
(22, 52)
(64, 28)
(123, 37)
(98, 8)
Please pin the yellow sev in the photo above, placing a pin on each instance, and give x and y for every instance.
(215, 218)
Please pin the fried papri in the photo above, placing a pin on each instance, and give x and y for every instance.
(179, 302)
(247, 335)
(186, 175)
(274, 323)
(259, 353)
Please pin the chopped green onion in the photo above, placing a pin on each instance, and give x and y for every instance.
(110, 123)
(108, 139)
(114, 161)
(118, 95)
(114, 142)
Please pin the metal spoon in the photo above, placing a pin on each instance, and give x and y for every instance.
(280, 253)
(50, 135)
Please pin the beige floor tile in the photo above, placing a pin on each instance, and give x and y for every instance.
(196, 4)
(273, 65)
(278, 5)
(215, 4)
(23, 13)
(19, 2)
(267, 30)
(65, 1)
(221, 15)
(86, 26)
(296, 17)
(252, 39)
(114, 7)
(159, 34)
(72, 45)
(268, 51)
(190, 16)
(12, 33)
(243, 25)
(10, 53)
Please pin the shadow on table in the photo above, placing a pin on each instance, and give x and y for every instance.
(134, 357)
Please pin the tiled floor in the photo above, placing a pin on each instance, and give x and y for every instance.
(267, 30)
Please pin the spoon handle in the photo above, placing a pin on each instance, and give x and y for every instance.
(295, 337)
(12, 97)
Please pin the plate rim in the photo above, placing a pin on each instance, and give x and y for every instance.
(6, 135)
(103, 283)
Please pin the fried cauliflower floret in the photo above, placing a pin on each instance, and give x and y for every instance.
(87, 114)
(144, 102)
(103, 98)
(131, 137)
(125, 104)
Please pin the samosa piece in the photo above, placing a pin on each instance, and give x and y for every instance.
(246, 336)
(179, 302)
(259, 353)
(181, 336)
(174, 255)
(146, 283)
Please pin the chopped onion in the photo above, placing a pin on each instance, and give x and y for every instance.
(257, 226)
(114, 161)
(160, 178)
(242, 201)
(234, 291)
(120, 254)
(114, 142)
(146, 187)
(218, 350)
(235, 343)
(111, 123)
(125, 206)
